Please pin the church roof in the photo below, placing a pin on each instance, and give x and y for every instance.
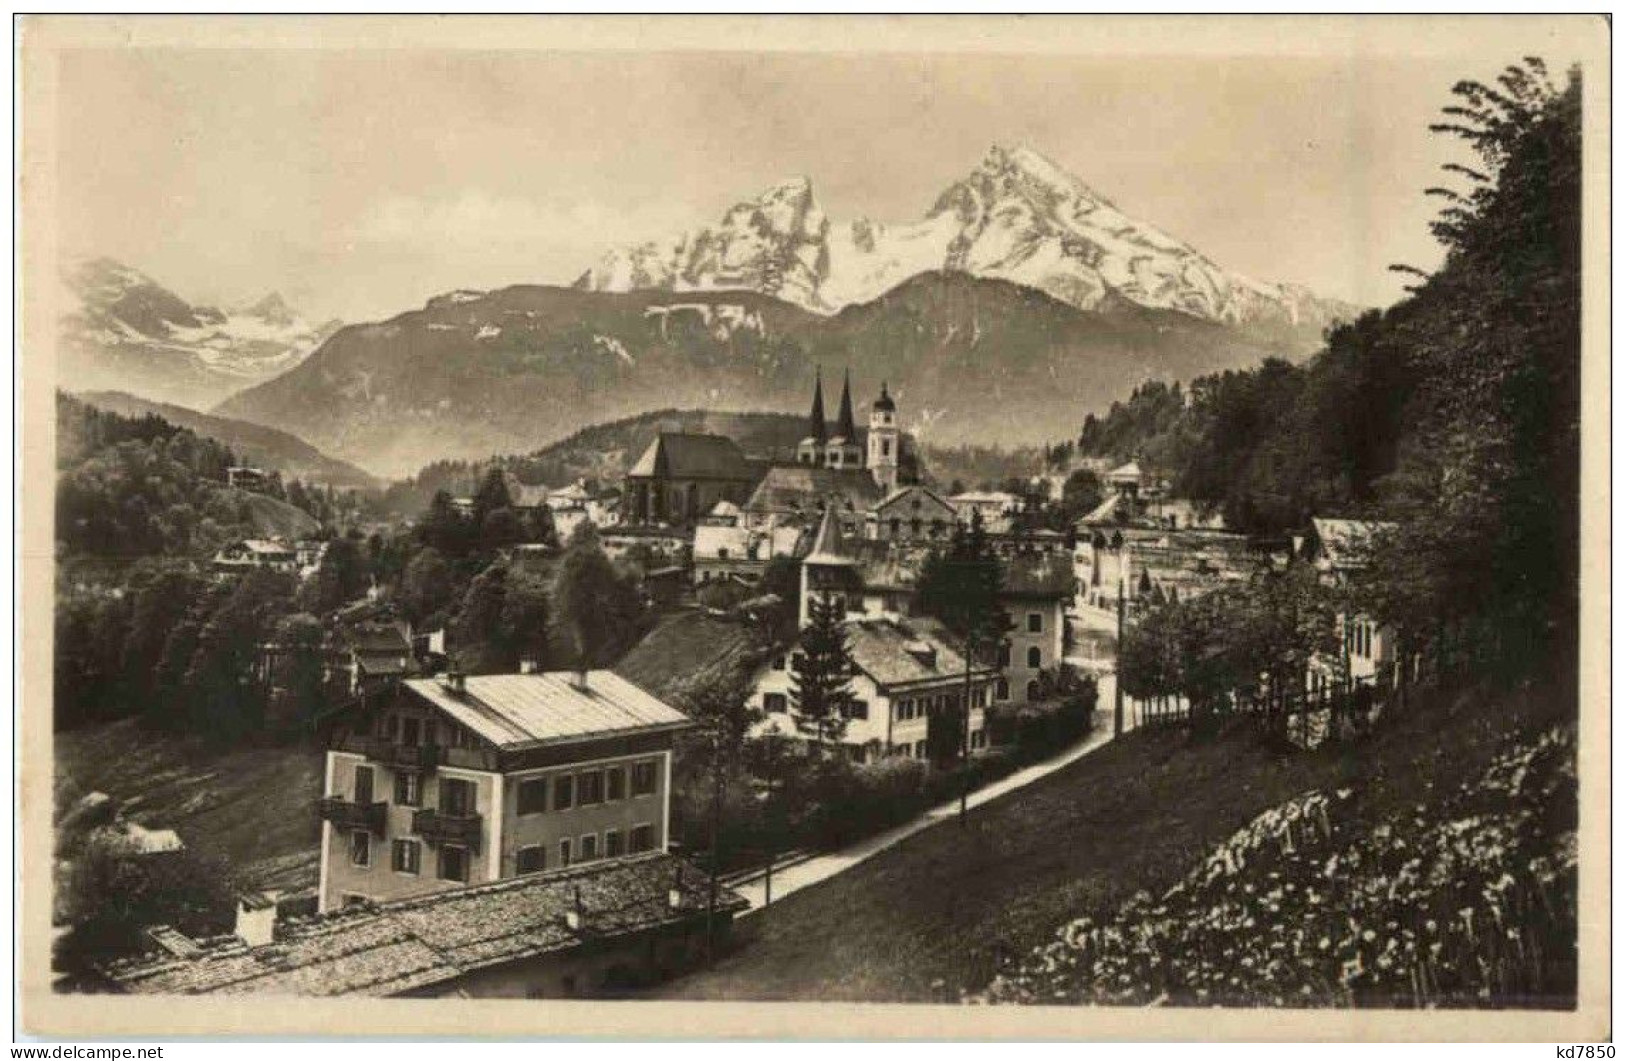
(829, 547)
(804, 486)
(845, 427)
(815, 419)
(684, 455)
(884, 403)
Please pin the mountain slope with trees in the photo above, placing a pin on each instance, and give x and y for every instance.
(509, 371)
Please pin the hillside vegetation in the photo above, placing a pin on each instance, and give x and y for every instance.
(254, 444)
(942, 914)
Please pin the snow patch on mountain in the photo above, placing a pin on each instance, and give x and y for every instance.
(1018, 217)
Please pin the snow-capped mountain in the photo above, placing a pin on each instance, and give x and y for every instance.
(1016, 217)
(124, 331)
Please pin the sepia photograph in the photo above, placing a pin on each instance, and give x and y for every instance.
(1053, 525)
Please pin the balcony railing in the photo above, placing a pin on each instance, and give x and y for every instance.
(347, 814)
(439, 828)
(404, 756)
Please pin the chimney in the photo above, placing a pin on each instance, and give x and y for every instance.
(455, 682)
(674, 897)
(580, 681)
(923, 651)
(573, 917)
(256, 918)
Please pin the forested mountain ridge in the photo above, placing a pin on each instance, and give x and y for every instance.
(510, 371)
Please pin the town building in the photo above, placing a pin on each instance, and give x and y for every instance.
(997, 508)
(458, 780)
(365, 657)
(797, 495)
(592, 930)
(1339, 548)
(682, 475)
(251, 554)
(244, 477)
(841, 447)
(911, 513)
(903, 673)
(879, 579)
(738, 552)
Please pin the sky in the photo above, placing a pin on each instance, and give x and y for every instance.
(359, 183)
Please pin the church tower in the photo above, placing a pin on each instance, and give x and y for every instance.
(884, 441)
(843, 450)
(811, 449)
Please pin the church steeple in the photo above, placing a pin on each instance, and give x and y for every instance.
(845, 427)
(817, 430)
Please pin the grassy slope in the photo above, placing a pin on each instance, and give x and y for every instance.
(933, 915)
(257, 806)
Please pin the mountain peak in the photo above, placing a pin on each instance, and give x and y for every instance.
(1017, 216)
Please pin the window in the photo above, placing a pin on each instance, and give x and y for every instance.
(530, 859)
(362, 790)
(1032, 690)
(643, 778)
(614, 843)
(885, 447)
(454, 863)
(564, 852)
(643, 838)
(774, 703)
(1001, 690)
(919, 749)
(456, 796)
(778, 662)
(408, 789)
(617, 782)
(407, 856)
(1004, 655)
(564, 794)
(589, 847)
(590, 787)
(904, 707)
(533, 796)
(858, 709)
(1035, 657)
(361, 848)
(1035, 622)
(411, 732)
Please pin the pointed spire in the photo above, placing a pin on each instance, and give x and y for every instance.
(817, 430)
(827, 548)
(845, 427)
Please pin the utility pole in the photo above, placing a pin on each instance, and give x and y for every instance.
(772, 780)
(1117, 664)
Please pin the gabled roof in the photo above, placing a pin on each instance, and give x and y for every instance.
(375, 638)
(684, 649)
(829, 547)
(1343, 541)
(897, 653)
(1047, 574)
(985, 497)
(802, 487)
(391, 948)
(684, 455)
(1104, 512)
(904, 491)
(1125, 473)
(524, 710)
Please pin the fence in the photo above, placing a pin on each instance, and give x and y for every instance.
(1303, 716)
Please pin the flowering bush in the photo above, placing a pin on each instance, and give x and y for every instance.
(1467, 902)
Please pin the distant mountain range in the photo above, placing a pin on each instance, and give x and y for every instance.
(1017, 216)
(125, 331)
(473, 374)
(254, 444)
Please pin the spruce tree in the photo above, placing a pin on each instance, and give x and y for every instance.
(821, 671)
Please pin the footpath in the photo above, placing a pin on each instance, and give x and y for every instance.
(798, 871)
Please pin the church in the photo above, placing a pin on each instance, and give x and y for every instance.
(842, 449)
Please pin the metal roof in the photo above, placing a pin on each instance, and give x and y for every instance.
(524, 710)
